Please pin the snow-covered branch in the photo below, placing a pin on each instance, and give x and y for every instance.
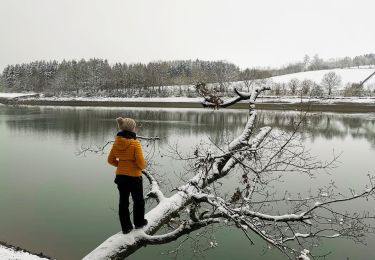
(155, 191)
(185, 228)
(240, 96)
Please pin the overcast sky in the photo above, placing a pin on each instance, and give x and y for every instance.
(247, 33)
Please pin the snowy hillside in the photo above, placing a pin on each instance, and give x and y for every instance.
(347, 75)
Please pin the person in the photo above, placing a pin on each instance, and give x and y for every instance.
(127, 156)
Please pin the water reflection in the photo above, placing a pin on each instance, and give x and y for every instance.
(327, 125)
(85, 124)
(44, 180)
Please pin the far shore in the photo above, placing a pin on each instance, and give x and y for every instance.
(339, 105)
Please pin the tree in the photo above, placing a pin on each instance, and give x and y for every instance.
(293, 85)
(2, 83)
(224, 74)
(259, 157)
(359, 60)
(346, 62)
(316, 63)
(248, 76)
(253, 77)
(316, 91)
(351, 90)
(277, 89)
(306, 62)
(306, 86)
(330, 81)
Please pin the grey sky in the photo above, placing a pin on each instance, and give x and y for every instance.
(248, 33)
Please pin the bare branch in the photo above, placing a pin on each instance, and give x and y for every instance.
(155, 191)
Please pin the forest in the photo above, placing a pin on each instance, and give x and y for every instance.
(98, 76)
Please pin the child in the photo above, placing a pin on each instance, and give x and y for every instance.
(126, 154)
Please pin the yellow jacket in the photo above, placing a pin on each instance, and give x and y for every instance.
(126, 154)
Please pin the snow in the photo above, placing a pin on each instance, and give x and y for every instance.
(113, 244)
(213, 244)
(363, 67)
(265, 99)
(15, 95)
(303, 255)
(301, 235)
(125, 99)
(347, 76)
(317, 204)
(256, 215)
(334, 100)
(11, 254)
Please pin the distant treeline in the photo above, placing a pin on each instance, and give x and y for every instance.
(98, 76)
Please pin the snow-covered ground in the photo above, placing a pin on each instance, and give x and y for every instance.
(295, 99)
(362, 67)
(15, 95)
(347, 76)
(261, 99)
(11, 254)
(125, 99)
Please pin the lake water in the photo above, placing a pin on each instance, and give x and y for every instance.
(62, 204)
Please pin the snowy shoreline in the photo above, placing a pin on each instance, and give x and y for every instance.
(339, 104)
(13, 252)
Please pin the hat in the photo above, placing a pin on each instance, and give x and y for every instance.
(126, 124)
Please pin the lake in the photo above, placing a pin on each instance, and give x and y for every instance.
(64, 205)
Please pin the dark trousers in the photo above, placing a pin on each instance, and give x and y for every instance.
(130, 185)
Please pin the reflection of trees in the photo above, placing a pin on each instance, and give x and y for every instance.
(99, 124)
(326, 125)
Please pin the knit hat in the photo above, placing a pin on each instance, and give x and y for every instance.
(126, 124)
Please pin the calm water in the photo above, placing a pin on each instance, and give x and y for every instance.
(52, 200)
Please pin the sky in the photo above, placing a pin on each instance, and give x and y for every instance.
(264, 33)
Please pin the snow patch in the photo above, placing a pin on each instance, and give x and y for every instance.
(15, 95)
(303, 255)
(10, 253)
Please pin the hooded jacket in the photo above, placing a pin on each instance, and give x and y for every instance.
(126, 154)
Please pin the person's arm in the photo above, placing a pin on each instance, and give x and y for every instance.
(112, 160)
(139, 159)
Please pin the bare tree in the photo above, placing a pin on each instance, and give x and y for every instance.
(306, 62)
(330, 81)
(316, 63)
(248, 76)
(224, 74)
(258, 157)
(293, 85)
(306, 86)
